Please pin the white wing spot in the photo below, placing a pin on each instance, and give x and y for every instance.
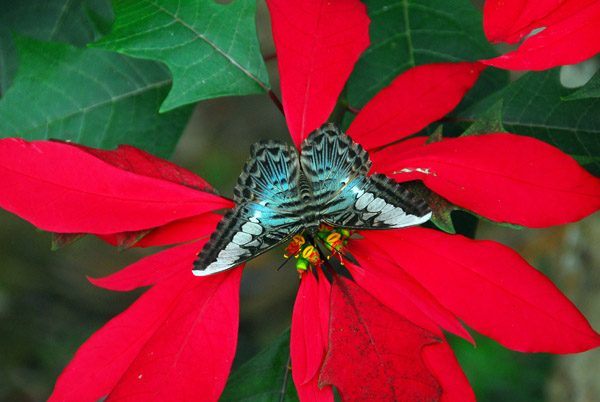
(252, 228)
(376, 205)
(363, 200)
(241, 238)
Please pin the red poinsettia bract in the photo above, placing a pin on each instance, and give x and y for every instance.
(568, 33)
(378, 336)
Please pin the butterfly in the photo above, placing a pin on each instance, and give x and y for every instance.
(280, 193)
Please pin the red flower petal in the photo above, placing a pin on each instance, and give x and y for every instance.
(324, 303)
(135, 160)
(504, 177)
(414, 99)
(307, 345)
(392, 286)
(310, 392)
(182, 230)
(152, 269)
(189, 357)
(61, 188)
(511, 20)
(100, 362)
(571, 32)
(492, 289)
(440, 360)
(318, 42)
(374, 351)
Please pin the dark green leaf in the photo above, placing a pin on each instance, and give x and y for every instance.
(532, 106)
(489, 122)
(441, 207)
(51, 20)
(264, 378)
(405, 34)
(60, 240)
(92, 97)
(211, 49)
(590, 90)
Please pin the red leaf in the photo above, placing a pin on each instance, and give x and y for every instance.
(504, 177)
(310, 392)
(189, 357)
(414, 99)
(318, 42)
(61, 188)
(152, 269)
(374, 353)
(492, 289)
(307, 345)
(179, 231)
(511, 20)
(101, 360)
(441, 362)
(570, 32)
(392, 286)
(141, 162)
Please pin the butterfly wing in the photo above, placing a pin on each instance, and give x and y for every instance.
(337, 168)
(266, 196)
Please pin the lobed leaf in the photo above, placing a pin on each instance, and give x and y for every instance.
(51, 20)
(96, 98)
(211, 49)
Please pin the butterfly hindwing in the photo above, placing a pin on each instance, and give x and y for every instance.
(377, 202)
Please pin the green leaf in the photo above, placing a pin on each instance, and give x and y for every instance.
(489, 122)
(91, 97)
(264, 378)
(405, 34)
(51, 20)
(211, 49)
(590, 90)
(532, 106)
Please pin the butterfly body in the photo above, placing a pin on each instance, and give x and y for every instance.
(280, 194)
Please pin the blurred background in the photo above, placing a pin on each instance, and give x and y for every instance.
(48, 308)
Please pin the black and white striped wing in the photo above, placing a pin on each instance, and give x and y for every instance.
(266, 196)
(337, 168)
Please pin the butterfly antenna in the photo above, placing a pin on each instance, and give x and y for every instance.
(281, 266)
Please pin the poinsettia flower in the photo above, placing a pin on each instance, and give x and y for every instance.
(567, 32)
(177, 341)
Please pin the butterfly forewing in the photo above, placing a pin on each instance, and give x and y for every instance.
(267, 198)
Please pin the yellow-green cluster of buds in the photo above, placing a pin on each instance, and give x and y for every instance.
(335, 240)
